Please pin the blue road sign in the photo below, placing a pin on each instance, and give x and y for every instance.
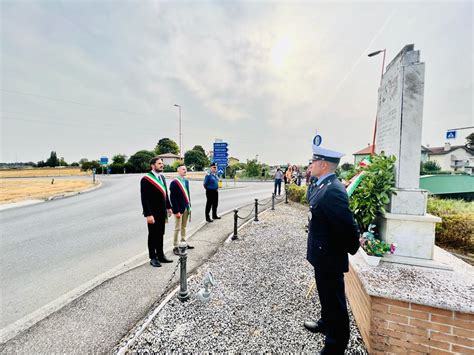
(104, 160)
(220, 144)
(221, 156)
(451, 135)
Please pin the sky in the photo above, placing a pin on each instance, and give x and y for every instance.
(97, 78)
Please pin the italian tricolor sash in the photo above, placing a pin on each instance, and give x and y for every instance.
(158, 183)
(183, 188)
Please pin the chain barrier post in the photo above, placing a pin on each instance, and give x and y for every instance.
(236, 217)
(256, 210)
(183, 280)
(273, 201)
(286, 194)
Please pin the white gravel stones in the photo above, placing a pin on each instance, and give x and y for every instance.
(258, 303)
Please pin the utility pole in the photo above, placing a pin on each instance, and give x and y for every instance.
(179, 133)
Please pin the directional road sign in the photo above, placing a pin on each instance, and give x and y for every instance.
(104, 160)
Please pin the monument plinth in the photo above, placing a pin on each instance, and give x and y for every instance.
(399, 123)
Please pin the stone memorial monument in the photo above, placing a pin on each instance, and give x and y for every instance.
(399, 123)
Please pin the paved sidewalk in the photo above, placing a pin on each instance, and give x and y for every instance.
(97, 321)
(259, 301)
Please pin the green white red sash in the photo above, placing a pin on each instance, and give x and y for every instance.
(157, 182)
(185, 191)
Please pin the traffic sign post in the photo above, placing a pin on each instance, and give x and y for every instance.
(221, 156)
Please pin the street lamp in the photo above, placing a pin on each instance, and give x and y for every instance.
(180, 146)
(373, 54)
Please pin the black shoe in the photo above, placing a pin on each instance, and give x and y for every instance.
(155, 263)
(314, 327)
(216, 217)
(176, 251)
(190, 247)
(209, 220)
(330, 349)
(164, 259)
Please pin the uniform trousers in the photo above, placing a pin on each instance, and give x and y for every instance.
(212, 201)
(334, 316)
(180, 226)
(155, 238)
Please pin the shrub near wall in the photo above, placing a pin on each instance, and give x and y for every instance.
(457, 227)
(297, 193)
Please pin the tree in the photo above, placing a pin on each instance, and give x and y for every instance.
(41, 164)
(140, 161)
(83, 160)
(430, 166)
(166, 145)
(196, 158)
(62, 162)
(74, 163)
(52, 160)
(119, 159)
(89, 165)
(199, 148)
(470, 141)
(253, 168)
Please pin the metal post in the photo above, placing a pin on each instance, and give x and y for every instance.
(93, 175)
(286, 194)
(273, 201)
(256, 210)
(183, 280)
(236, 218)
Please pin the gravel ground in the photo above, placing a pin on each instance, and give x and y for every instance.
(259, 301)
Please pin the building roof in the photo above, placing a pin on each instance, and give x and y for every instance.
(169, 155)
(367, 150)
(441, 151)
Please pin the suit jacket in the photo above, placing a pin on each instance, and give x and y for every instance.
(332, 229)
(177, 197)
(154, 202)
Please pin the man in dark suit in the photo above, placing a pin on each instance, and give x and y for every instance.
(180, 197)
(332, 234)
(156, 208)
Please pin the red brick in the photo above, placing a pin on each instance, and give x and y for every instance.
(429, 325)
(394, 318)
(391, 302)
(439, 352)
(452, 339)
(379, 307)
(408, 329)
(463, 332)
(409, 313)
(409, 345)
(456, 322)
(462, 349)
(428, 309)
(464, 316)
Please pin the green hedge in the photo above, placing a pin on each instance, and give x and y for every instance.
(297, 193)
(457, 228)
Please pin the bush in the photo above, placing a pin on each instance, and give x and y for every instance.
(457, 228)
(297, 193)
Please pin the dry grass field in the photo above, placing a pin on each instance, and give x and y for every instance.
(42, 172)
(14, 190)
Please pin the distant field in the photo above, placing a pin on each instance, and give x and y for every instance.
(42, 172)
(18, 190)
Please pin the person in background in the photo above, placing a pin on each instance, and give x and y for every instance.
(278, 178)
(180, 197)
(211, 184)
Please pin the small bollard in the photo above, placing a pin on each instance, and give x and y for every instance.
(256, 210)
(236, 218)
(183, 280)
(52, 181)
(204, 294)
(286, 194)
(273, 201)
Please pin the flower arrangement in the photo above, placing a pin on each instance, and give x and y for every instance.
(373, 246)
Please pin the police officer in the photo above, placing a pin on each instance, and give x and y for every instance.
(211, 184)
(332, 234)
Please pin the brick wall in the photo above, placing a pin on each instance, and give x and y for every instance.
(390, 326)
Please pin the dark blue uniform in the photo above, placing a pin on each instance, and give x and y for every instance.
(332, 234)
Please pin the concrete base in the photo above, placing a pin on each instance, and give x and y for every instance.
(432, 264)
(413, 235)
(409, 201)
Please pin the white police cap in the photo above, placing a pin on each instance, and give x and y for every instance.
(326, 154)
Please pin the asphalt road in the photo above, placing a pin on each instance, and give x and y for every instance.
(51, 248)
